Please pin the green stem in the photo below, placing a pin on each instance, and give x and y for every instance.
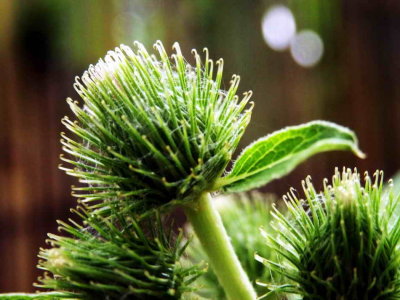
(209, 229)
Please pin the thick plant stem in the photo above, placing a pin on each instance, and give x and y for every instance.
(209, 229)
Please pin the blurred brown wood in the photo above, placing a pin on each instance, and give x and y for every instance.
(33, 193)
(29, 153)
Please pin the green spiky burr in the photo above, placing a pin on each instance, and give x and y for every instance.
(150, 129)
(127, 258)
(340, 243)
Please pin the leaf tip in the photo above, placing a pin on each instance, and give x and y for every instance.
(359, 153)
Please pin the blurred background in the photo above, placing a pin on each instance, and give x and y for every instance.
(336, 60)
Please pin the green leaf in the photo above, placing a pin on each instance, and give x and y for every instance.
(277, 154)
(37, 296)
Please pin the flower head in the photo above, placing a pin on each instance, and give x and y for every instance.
(341, 243)
(152, 126)
(118, 259)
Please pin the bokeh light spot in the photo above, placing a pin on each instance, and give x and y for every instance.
(307, 48)
(278, 27)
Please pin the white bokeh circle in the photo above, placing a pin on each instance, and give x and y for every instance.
(278, 27)
(307, 48)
